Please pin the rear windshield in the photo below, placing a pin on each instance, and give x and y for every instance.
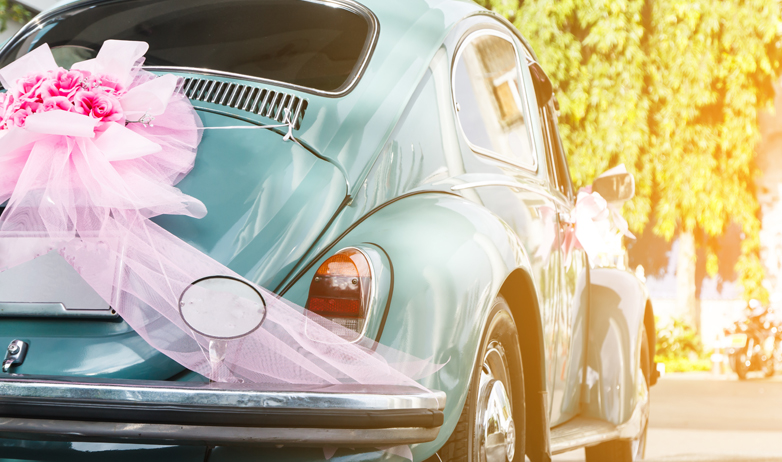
(300, 42)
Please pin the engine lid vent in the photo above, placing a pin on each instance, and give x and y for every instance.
(261, 101)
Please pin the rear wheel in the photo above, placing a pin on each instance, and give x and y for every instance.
(491, 426)
(741, 365)
(628, 450)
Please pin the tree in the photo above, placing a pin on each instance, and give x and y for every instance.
(10, 11)
(670, 88)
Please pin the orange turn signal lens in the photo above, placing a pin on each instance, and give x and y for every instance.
(340, 289)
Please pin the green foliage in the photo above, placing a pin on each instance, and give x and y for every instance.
(672, 89)
(677, 339)
(686, 365)
(12, 12)
(680, 348)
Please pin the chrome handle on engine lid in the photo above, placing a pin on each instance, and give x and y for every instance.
(14, 354)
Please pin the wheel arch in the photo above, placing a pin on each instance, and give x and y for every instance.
(519, 292)
(619, 309)
(450, 258)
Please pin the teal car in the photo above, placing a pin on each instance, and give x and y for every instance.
(416, 138)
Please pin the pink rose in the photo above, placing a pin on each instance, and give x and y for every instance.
(99, 105)
(32, 106)
(69, 82)
(106, 83)
(48, 89)
(27, 88)
(57, 103)
(6, 100)
(17, 118)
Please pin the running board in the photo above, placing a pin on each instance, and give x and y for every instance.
(581, 432)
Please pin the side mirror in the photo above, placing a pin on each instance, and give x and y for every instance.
(615, 187)
(544, 89)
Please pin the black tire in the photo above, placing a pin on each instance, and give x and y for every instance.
(769, 369)
(465, 445)
(741, 365)
(626, 450)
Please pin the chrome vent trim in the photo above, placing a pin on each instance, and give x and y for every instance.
(261, 101)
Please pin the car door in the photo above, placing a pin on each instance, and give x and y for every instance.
(505, 159)
(571, 312)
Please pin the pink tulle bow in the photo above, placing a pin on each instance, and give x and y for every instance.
(83, 170)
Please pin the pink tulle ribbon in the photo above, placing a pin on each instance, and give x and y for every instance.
(595, 226)
(87, 156)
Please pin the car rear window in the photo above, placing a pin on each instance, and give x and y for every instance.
(312, 44)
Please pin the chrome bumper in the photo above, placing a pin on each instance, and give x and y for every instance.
(78, 409)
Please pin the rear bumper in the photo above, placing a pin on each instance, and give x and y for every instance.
(77, 409)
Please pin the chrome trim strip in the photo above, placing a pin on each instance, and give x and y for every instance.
(272, 103)
(249, 98)
(189, 84)
(217, 92)
(289, 107)
(257, 97)
(298, 111)
(233, 93)
(241, 95)
(263, 103)
(39, 21)
(66, 430)
(52, 310)
(509, 184)
(245, 98)
(527, 116)
(225, 93)
(204, 89)
(369, 48)
(246, 396)
(280, 108)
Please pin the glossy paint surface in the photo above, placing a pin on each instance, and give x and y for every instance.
(377, 173)
(86, 348)
(617, 314)
(267, 200)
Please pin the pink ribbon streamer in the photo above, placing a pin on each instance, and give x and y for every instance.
(86, 188)
(597, 227)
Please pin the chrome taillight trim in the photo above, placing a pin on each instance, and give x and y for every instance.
(371, 297)
(256, 100)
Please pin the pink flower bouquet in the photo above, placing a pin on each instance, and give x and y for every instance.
(76, 91)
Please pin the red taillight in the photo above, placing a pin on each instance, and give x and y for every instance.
(340, 291)
(336, 307)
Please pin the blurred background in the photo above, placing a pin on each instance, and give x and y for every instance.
(684, 93)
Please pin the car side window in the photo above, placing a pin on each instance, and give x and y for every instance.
(490, 100)
(558, 168)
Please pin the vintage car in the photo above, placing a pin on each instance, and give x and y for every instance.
(426, 145)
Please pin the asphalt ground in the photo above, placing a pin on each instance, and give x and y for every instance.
(707, 418)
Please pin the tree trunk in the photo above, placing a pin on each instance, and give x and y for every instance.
(686, 303)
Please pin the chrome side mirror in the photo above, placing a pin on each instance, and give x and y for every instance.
(615, 186)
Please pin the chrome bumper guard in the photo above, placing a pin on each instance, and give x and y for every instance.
(159, 412)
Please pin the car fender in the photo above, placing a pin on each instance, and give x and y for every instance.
(617, 312)
(450, 258)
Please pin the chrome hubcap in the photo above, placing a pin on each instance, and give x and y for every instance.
(496, 431)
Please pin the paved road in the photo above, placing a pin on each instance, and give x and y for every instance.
(703, 418)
